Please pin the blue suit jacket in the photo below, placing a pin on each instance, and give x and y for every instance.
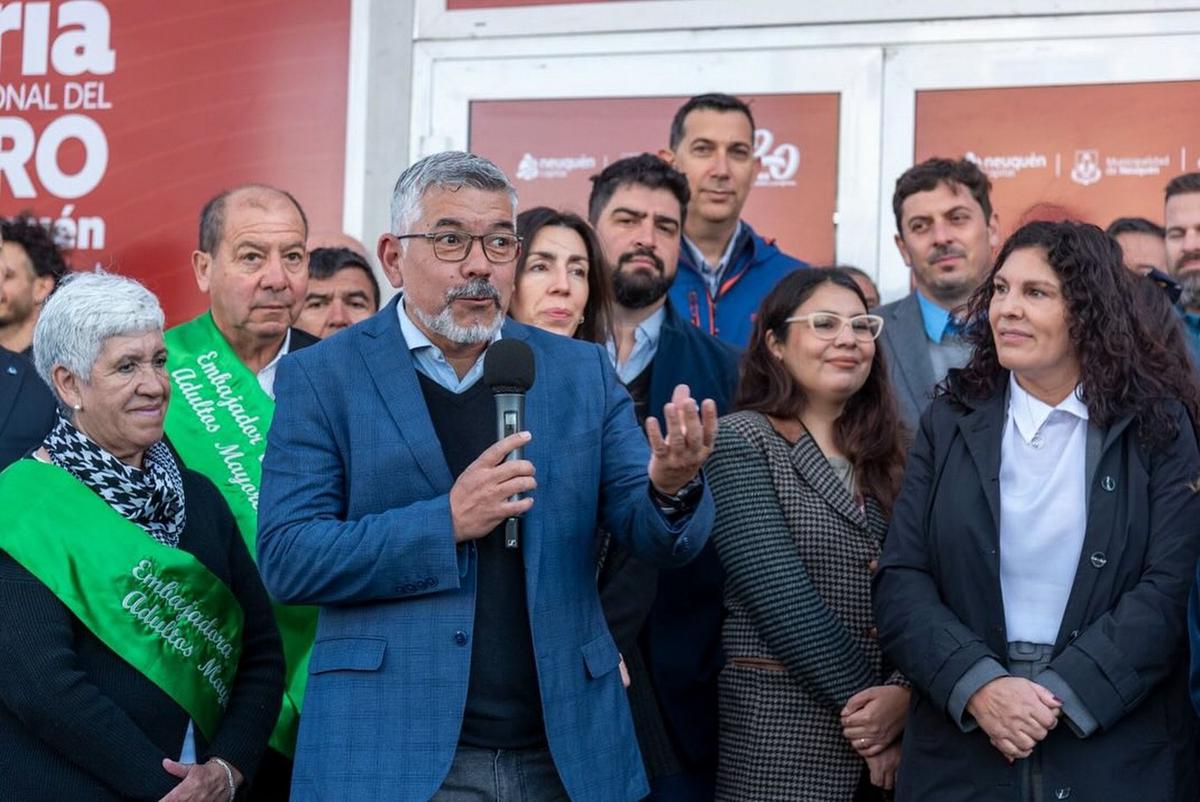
(354, 516)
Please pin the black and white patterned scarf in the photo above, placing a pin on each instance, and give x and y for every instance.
(152, 498)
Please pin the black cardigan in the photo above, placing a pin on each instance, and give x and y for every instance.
(77, 722)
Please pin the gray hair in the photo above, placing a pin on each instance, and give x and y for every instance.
(212, 216)
(450, 169)
(85, 310)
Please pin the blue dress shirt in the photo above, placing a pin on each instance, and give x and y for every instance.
(938, 322)
(430, 360)
(712, 275)
(645, 345)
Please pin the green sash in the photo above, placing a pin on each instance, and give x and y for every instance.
(157, 607)
(217, 421)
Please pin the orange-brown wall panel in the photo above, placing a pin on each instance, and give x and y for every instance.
(1094, 152)
(550, 148)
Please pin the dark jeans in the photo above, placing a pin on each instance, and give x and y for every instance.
(686, 786)
(505, 775)
(273, 780)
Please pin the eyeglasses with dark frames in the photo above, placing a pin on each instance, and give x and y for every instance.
(455, 246)
(828, 326)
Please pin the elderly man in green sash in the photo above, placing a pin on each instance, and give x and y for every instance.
(140, 658)
(252, 263)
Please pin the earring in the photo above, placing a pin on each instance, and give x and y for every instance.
(581, 319)
(77, 407)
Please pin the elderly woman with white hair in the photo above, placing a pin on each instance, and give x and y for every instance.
(138, 654)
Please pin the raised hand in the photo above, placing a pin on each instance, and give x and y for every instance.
(691, 431)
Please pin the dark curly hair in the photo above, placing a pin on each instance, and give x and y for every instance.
(869, 431)
(39, 244)
(1125, 368)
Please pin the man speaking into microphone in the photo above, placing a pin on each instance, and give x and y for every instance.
(449, 664)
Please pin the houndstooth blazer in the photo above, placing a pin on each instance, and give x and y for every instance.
(796, 547)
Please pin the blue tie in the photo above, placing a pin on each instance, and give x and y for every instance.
(954, 327)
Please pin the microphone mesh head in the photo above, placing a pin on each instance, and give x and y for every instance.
(508, 366)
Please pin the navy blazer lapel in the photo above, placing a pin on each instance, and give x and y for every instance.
(1096, 538)
(662, 385)
(982, 431)
(1113, 433)
(906, 332)
(390, 366)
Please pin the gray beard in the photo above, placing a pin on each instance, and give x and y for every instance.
(1190, 298)
(443, 324)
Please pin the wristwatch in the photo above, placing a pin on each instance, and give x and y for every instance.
(683, 500)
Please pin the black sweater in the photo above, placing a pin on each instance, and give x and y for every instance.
(504, 707)
(79, 723)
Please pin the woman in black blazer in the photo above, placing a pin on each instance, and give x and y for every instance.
(1035, 575)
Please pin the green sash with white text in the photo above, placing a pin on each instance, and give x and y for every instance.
(217, 421)
(157, 607)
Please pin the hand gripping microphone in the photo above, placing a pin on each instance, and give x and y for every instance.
(508, 370)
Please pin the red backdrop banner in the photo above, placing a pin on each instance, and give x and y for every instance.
(1087, 152)
(118, 119)
(550, 148)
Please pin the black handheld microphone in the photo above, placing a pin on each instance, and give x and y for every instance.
(508, 370)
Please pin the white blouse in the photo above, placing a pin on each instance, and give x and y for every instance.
(1043, 510)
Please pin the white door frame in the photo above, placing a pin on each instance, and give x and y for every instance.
(434, 21)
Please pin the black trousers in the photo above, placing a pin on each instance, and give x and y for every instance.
(272, 781)
(1027, 660)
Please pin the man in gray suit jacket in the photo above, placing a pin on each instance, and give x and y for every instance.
(947, 234)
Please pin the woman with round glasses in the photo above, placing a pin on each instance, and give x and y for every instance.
(804, 475)
(1036, 572)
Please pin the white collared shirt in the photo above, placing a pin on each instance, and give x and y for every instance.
(429, 359)
(1043, 510)
(266, 376)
